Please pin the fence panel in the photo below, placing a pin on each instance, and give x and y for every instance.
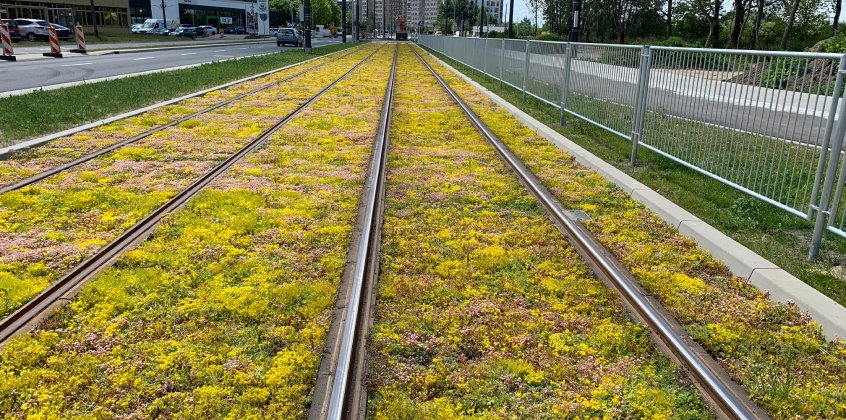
(753, 120)
(760, 121)
(603, 85)
(514, 63)
(546, 70)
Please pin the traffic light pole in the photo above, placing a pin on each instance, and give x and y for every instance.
(344, 20)
(574, 30)
(307, 26)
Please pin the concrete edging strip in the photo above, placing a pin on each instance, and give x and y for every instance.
(743, 262)
(6, 151)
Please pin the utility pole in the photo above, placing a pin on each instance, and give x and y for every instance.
(511, 19)
(94, 17)
(574, 29)
(344, 20)
(307, 26)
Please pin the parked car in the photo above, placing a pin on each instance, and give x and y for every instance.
(33, 29)
(211, 30)
(158, 31)
(14, 30)
(184, 32)
(62, 32)
(327, 33)
(199, 31)
(288, 36)
(340, 33)
(136, 28)
(236, 30)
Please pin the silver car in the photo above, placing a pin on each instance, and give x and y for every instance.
(289, 36)
(33, 29)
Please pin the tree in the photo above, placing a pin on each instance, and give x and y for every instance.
(286, 9)
(790, 19)
(336, 13)
(321, 12)
(534, 7)
(710, 10)
(740, 7)
(445, 10)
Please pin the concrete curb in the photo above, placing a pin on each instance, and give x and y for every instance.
(95, 52)
(742, 261)
(7, 151)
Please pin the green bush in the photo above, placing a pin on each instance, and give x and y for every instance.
(549, 37)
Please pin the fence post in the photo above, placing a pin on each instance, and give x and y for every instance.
(640, 99)
(501, 62)
(485, 61)
(833, 162)
(565, 82)
(829, 127)
(526, 73)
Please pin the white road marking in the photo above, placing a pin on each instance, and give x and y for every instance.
(143, 58)
(80, 64)
(188, 54)
(243, 48)
(219, 51)
(222, 55)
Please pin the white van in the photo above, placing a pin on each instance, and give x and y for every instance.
(151, 24)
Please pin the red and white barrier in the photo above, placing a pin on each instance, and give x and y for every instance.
(80, 39)
(6, 40)
(55, 50)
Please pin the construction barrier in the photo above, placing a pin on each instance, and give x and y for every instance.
(55, 50)
(80, 40)
(8, 52)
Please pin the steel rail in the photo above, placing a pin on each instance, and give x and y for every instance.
(17, 321)
(338, 399)
(65, 166)
(727, 402)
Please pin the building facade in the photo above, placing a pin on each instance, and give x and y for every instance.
(111, 15)
(425, 11)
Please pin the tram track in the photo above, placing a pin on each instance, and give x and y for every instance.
(33, 179)
(346, 397)
(27, 315)
(726, 398)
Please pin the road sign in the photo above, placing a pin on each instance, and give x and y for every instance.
(420, 23)
(225, 20)
(296, 21)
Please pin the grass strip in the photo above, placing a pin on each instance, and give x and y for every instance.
(224, 310)
(484, 311)
(54, 225)
(49, 111)
(777, 353)
(774, 234)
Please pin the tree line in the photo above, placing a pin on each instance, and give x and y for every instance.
(795, 25)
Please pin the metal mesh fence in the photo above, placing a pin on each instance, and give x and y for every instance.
(766, 123)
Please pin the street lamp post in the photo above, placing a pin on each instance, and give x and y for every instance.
(307, 26)
(344, 20)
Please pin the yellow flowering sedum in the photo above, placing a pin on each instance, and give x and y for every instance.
(66, 218)
(484, 311)
(223, 311)
(777, 353)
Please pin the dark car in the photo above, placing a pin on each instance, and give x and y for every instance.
(158, 31)
(62, 32)
(236, 30)
(199, 31)
(184, 32)
(14, 30)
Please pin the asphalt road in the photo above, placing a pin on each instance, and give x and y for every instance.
(41, 73)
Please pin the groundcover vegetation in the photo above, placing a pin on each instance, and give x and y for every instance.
(775, 351)
(223, 312)
(49, 227)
